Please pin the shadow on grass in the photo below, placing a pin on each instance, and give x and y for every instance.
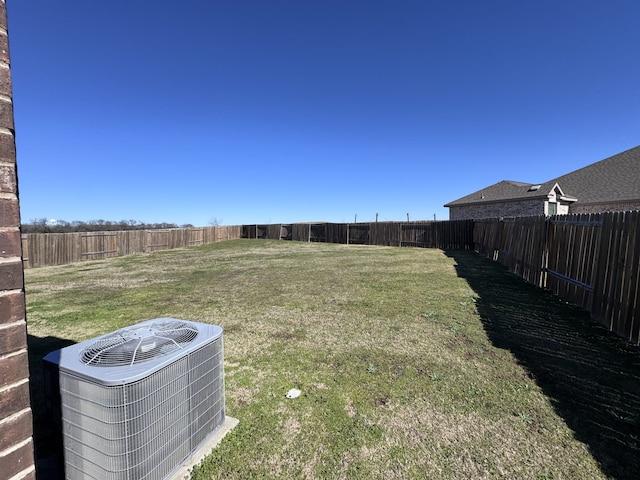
(46, 435)
(591, 377)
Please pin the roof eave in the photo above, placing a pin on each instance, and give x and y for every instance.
(497, 200)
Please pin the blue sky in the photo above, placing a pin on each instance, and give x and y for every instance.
(263, 111)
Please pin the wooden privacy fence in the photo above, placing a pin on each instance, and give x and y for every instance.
(455, 235)
(591, 260)
(42, 249)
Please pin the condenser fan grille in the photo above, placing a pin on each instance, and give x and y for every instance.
(130, 346)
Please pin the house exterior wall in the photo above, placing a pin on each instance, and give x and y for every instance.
(561, 209)
(523, 208)
(16, 427)
(532, 208)
(605, 207)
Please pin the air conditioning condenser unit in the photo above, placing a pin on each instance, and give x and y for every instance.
(135, 403)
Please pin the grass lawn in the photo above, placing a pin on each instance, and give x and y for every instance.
(413, 363)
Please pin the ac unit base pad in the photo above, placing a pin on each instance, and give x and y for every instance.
(205, 449)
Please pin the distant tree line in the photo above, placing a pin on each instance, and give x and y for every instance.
(43, 225)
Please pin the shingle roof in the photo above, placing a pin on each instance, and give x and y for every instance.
(616, 178)
(613, 179)
(502, 191)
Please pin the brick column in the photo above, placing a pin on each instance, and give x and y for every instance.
(16, 427)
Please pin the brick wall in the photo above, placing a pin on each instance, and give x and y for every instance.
(605, 207)
(524, 208)
(16, 430)
(532, 208)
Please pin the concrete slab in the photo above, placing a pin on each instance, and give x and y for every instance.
(205, 449)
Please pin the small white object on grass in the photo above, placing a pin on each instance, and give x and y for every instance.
(293, 393)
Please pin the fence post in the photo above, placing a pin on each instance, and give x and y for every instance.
(545, 252)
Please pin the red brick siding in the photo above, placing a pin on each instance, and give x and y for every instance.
(14, 399)
(10, 243)
(12, 307)
(17, 461)
(605, 207)
(9, 211)
(524, 208)
(16, 426)
(15, 430)
(11, 275)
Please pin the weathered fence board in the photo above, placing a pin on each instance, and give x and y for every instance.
(456, 234)
(249, 231)
(358, 233)
(617, 281)
(591, 260)
(156, 240)
(286, 232)
(385, 234)
(273, 231)
(453, 235)
(51, 249)
(415, 235)
(196, 236)
(318, 232)
(43, 249)
(99, 245)
(632, 274)
(337, 232)
(301, 232)
(570, 266)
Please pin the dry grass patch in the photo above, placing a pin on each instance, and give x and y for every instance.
(412, 363)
